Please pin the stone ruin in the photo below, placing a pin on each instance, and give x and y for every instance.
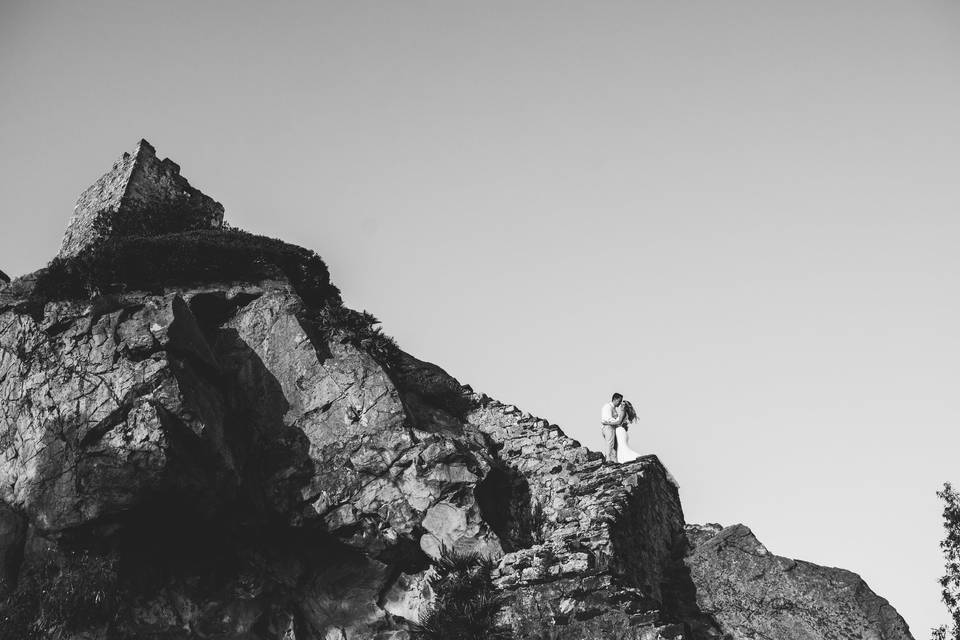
(139, 194)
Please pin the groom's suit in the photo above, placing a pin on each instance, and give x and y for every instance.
(609, 419)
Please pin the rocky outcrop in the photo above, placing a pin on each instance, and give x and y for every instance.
(140, 194)
(595, 549)
(4, 278)
(754, 594)
(220, 403)
(237, 455)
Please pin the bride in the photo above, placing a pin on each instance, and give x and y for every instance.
(628, 416)
(624, 452)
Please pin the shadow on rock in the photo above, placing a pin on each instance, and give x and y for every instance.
(506, 504)
(273, 455)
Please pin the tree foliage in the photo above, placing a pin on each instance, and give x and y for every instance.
(950, 582)
(466, 604)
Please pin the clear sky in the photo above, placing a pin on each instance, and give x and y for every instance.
(742, 215)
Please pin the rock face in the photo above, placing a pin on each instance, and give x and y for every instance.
(140, 194)
(249, 459)
(755, 594)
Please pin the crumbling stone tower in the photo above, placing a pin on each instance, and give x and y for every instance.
(141, 194)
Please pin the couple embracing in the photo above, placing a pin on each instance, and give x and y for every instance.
(615, 418)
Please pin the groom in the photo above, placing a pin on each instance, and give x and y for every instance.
(610, 417)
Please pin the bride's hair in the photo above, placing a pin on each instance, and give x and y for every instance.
(630, 411)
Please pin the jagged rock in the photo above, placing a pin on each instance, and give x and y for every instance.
(700, 533)
(95, 409)
(140, 194)
(409, 597)
(364, 465)
(614, 571)
(753, 593)
(258, 471)
(110, 408)
(4, 278)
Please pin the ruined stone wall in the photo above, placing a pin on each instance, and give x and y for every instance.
(609, 540)
(646, 535)
(140, 194)
(540, 459)
(105, 194)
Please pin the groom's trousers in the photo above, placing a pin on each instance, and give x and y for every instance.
(610, 438)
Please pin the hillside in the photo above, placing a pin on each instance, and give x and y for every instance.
(199, 440)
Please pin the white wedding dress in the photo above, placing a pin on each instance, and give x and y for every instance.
(624, 452)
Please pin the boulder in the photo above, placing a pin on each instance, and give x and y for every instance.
(753, 593)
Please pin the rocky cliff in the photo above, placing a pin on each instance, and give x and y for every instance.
(198, 440)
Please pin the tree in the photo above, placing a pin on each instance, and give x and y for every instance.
(950, 582)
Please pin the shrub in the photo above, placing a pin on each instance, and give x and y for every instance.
(336, 322)
(78, 592)
(151, 262)
(169, 217)
(465, 603)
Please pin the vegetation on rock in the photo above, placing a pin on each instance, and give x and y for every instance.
(359, 328)
(123, 263)
(152, 262)
(466, 604)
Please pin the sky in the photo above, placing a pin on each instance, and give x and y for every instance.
(741, 215)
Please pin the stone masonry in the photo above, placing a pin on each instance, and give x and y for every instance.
(604, 557)
(141, 194)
